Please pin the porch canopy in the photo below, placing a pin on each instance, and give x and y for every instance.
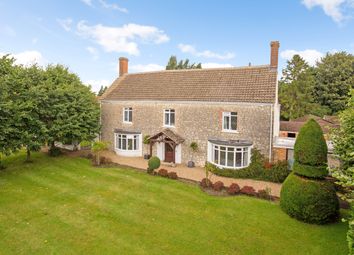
(166, 136)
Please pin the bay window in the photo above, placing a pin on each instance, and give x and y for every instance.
(127, 142)
(230, 156)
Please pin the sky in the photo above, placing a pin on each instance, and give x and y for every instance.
(89, 36)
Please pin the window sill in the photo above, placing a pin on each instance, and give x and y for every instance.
(166, 126)
(128, 123)
(230, 131)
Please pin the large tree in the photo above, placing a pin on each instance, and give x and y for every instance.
(9, 134)
(70, 110)
(182, 64)
(296, 90)
(334, 79)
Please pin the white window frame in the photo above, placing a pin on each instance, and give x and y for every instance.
(129, 111)
(236, 150)
(122, 142)
(229, 115)
(169, 112)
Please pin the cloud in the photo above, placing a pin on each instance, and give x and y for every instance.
(96, 84)
(116, 7)
(215, 65)
(187, 48)
(122, 39)
(332, 8)
(147, 68)
(27, 58)
(93, 51)
(87, 2)
(311, 56)
(65, 23)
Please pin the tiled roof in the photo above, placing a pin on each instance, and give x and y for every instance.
(170, 134)
(327, 123)
(244, 84)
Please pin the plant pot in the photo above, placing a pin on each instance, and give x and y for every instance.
(146, 156)
(190, 164)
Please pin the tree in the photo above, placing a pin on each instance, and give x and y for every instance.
(9, 133)
(343, 141)
(102, 90)
(296, 88)
(334, 79)
(69, 109)
(173, 64)
(97, 148)
(27, 94)
(305, 194)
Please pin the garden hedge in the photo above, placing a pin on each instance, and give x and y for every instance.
(309, 200)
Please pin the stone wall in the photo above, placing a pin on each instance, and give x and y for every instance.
(195, 121)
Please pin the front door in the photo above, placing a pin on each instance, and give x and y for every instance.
(168, 153)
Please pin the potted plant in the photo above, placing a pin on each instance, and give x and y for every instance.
(146, 141)
(194, 147)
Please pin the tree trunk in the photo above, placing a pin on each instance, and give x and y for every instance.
(28, 156)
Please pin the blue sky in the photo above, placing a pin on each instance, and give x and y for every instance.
(89, 36)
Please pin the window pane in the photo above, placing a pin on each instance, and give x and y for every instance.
(172, 118)
(135, 142)
(130, 144)
(130, 115)
(238, 159)
(222, 158)
(230, 157)
(233, 122)
(245, 158)
(226, 122)
(167, 118)
(125, 115)
(117, 141)
(216, 156)
(124, 143)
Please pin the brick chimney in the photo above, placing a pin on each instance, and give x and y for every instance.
(123, 66)
(274, 52)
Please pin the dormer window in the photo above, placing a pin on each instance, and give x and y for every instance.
(128, 115)
(229, 121)
(169, 117)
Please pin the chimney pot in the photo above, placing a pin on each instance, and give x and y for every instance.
(274, 52)
(123, 66)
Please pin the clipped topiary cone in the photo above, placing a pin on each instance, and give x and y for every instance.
(305, 194)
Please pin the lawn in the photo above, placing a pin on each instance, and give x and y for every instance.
(64, 206)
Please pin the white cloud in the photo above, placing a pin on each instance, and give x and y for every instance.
(187, 48)
(87, 2)
(27, 58)
(215, 65)
(112, 6)
(333, 8)
(65, 23)
(147, 68)
(93, 51)
(122, 39)
(96, 84)
(311, 56)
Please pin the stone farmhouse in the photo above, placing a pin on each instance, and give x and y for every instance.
(226, 111)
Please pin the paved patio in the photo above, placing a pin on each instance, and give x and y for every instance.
(194, 174)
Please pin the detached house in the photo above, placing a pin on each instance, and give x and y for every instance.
(226, 111)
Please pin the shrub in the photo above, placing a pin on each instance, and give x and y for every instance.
(308, 200)
(264, 194)
(248, 190)
(172, 175)
(163, 173)
(310, 146)
(54, 151)
(310, 171)
(154, 163)
(206, 183)
(277, 173)
(218, 186)
(149, 170)
(233, 189)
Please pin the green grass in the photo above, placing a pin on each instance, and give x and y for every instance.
(64, 206)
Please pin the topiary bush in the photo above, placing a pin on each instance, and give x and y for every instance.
(154, 163)
(248, 190)
(233, 189)
(172, 175)
(306, 195)
(308, 200)
(218, 186)
(206, 183)
(310, 150)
